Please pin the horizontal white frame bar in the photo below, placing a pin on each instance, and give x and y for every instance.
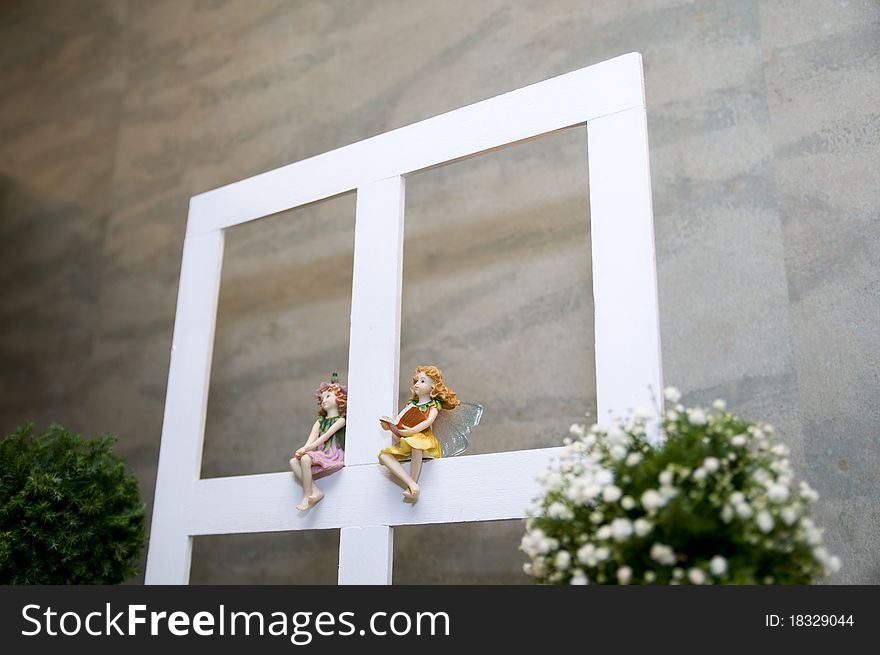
(560, 102)
(488, 487)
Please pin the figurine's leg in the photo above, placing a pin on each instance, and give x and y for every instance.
(394, 466)
(297, 470)
(306, 472)
(415, 468)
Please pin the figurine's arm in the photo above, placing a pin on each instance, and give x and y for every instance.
(424, 425)
(395, 421)
(312, 436)
(336, 427)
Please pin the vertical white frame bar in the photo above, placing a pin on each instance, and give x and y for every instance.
(627, 315)
(186, 406)
(373, 360)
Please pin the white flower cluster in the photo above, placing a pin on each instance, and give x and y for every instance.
(590, 512)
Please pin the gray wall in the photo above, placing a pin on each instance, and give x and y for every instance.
(764, 134)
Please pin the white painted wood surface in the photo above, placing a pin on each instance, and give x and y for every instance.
(186, 404)
(627, 317)
(373, 366)
(365, 555)
(361, 500)
(374, 344)
(457, 489)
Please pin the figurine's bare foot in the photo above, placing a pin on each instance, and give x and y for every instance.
(304, 504)
(315, 498)
(412, 493)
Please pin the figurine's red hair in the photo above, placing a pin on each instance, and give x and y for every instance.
(341, 396)
(438, 389)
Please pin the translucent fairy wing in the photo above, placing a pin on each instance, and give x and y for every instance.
(452, 427)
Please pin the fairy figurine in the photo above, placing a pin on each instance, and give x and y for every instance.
(324, 450)
(414, 439)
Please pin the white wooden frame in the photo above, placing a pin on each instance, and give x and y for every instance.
(361, 501)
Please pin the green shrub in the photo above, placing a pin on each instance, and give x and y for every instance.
(70, 510)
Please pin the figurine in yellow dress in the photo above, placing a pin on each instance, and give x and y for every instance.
(413, 439)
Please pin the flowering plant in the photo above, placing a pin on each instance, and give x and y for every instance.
(715, 503)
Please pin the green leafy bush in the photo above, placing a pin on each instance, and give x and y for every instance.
(716, 503)
(70, 510)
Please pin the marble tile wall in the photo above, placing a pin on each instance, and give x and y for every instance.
(764, 137)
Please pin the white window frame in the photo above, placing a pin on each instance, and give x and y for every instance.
(609, 97)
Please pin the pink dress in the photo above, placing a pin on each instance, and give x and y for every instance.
(331, 457)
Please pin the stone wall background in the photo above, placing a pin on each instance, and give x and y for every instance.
(764, 135)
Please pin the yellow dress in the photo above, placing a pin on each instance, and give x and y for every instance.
(424, 441)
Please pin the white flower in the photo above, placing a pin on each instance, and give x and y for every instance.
(604, 477)
(671, 415)
(559, 511)
(642, 526)
(762, 477)
(719, 404)
(538, 567)
(834, 563)
(665, 477)
(789, 515)
(602, 553)
(582, 490)
(652, 500)
(696, 576)
(777, 493)
(764, 521)
(668, 493)
(672, 394)
(677, 573)
(563, 559)
(711, 464)
(527, 568)
(604, 532)
(727, 514)
(633, 458)
(577, 430)
(552, 480)
(697, 416)
(611, 493)
(743, 510)
(579, 578)
(718, 565)
(621, 529)
(780, 449)
(586, 554)
(663, 554)
(699, 474)
(616, 435)
(627, 502)
(643, 412)
(807, 492)
(737, 497)
(624, 574)
(617, 451)
(650, 576)
(738, 440)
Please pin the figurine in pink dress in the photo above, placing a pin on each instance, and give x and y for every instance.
(324, 450)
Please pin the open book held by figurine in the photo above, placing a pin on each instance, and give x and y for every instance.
(451, 427)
